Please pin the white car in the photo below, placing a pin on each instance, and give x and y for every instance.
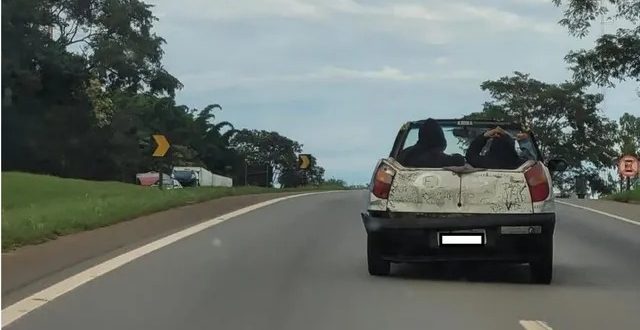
(461, 212)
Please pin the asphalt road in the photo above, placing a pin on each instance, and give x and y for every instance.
(300, 264)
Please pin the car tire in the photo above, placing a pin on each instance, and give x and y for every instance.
(376, 264)
(541, 268)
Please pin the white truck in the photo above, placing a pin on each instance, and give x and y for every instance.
(461, 212)
(202, 176)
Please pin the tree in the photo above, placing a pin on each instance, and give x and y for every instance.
(339, 183)
(264, 147)
(315, 173)
(196, 139)
(629, 134)
(84, 89)
(63, 62)
(279, 152)
(294, 177)
(565, 119)
(615, 57)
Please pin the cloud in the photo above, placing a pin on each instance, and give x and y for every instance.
(387, 14)
(218, 79)
(441, 60)
(235, 9)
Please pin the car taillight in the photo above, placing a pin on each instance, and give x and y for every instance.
(382, 181)
(537, 182)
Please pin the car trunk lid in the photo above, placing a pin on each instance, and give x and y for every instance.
(420, 190)
(459, 190)
(495, 191)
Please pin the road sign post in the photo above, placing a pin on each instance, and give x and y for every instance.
(304, 162)
(246, 174)
(162, 146)
(267, 176)
(628, 168)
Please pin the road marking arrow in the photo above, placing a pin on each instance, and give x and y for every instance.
(163, 145)
(304, 160)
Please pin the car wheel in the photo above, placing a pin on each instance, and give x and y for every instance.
(377, 265)
(542, 267)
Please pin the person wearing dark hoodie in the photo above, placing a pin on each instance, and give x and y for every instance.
(501, 152)
(429, 150)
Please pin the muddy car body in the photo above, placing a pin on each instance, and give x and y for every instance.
(461, 212)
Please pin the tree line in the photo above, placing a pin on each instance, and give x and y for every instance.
(84, 88)
(568, 119)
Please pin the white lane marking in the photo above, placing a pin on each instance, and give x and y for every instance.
(535, 325)
(29, 304)
(601, 212)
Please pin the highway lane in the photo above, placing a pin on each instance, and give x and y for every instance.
(300, 264)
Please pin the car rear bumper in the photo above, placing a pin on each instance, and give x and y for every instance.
(416, 239)
(466, 221)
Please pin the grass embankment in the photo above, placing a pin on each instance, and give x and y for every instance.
(36, 208)
(631, 196)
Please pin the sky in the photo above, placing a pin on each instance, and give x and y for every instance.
(341, 76)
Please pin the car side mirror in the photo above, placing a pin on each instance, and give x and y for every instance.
(557, 165)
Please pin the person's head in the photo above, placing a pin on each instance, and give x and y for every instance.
(431, 136)
(503, 148)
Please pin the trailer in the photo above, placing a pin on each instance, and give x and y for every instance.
(200, 176)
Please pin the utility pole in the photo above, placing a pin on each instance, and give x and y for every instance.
(245, 172)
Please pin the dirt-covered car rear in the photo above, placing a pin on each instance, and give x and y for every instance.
(418, 214)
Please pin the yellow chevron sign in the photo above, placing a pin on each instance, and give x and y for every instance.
(163, 145)
(304, 160)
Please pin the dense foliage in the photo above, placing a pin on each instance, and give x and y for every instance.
(567, 123)
(83, 90)
(615, 56)
(280, 153)
(567, 118)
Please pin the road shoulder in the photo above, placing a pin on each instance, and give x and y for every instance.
(625, 210)
(32, 268)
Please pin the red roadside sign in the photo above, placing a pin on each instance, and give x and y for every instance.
(628, 166)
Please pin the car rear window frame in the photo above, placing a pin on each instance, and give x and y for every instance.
(401, 137)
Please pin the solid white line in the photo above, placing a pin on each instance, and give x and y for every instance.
(601, 212)
(535, 325)
(29, 304)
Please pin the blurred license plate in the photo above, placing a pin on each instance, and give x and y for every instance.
(461, 239)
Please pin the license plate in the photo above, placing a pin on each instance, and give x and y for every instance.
(461, 238)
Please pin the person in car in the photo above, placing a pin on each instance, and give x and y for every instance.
(501, 153)
(429, 150)
(526, 146)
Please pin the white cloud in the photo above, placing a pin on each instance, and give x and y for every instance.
(218, 79)
(233, 9)
(441, 60)
(444, 13)
(535, 2)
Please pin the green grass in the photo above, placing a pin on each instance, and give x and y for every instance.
(631, 196)
(37, 208)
